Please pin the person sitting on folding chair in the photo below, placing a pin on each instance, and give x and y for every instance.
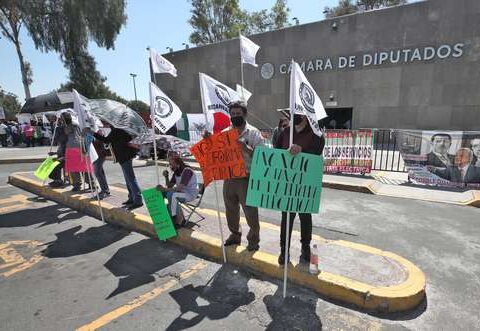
(181, 187)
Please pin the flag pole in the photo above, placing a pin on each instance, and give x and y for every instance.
(214, 182)
(51, 143)
(90, 173)
(241, 63)
(287, 230)
(157, 171)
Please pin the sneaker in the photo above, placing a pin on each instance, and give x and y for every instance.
(305, 256)
(134, 205)
(128, 202)
(55, 183)
(75, 189)
(253, 248)
(281, 258)
(102, 195)
(232, 241)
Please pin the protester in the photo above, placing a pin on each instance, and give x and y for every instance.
(98, 166)
(60, 139)
(38, 133)
(123, 154)
(27, 132)
(304, 140)
(282, 124)
(15, 132)
(73, 133)
(3, 133)
(181, 187)
(235, 189)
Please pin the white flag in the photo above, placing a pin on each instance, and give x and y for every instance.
(216, 96)
(304, 99)
(165, 112)
(79, 108)
(248, 50)
(244, 93)
(161, 64)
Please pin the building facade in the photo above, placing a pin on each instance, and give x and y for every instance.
(415, 66)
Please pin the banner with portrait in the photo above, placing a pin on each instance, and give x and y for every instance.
(348, 151)
(441, 158)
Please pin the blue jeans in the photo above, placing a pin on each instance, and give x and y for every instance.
(134, 194)
(100, 174)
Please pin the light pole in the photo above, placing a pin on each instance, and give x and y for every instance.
(134, 87)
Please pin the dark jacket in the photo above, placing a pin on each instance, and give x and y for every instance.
(119, 140)
(453, 174)
(433, 160)
(309, 141)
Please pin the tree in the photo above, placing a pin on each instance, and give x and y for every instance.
(11, 21)
(66, 27)
(217, 20)
(10, 104)
(139, 106)
(346, 7)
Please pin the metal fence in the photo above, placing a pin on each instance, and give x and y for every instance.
(386, 147)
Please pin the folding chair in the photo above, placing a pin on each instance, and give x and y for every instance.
(191, 206)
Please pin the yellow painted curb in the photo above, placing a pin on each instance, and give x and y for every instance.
(401, 297)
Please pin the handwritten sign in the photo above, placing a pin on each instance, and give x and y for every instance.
(280, 181)
(159, 213)
(46, 168)
(76, 161)
(220, 157)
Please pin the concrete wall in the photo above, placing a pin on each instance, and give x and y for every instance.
(420, 93)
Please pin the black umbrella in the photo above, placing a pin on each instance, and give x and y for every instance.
(48, 102)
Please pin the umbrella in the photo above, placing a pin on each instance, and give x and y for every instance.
(119, 116)
(48, 102)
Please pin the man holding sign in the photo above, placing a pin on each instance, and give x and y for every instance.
(307, 142)
(235, 189)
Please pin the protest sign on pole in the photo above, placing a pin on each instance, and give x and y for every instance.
(165, 112)
(204, 89)
(280, 181)
(220, 157)
(348, 151)
(158, 211)
(46, 168)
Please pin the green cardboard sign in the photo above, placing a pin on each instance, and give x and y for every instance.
(159, 213)
(280, 181)
(46, 168)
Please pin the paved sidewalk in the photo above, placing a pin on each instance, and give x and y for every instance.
(352, 273)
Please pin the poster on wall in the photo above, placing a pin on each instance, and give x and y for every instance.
(348, 151)
(442, 158)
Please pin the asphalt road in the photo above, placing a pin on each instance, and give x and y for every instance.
(70, 271)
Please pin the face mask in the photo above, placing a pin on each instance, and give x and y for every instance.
(297, 119)
(237, 121)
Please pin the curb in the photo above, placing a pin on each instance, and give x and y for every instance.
(14, 161)
(401, 297)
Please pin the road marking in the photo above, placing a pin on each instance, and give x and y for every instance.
(13, 202)
(140, 300)
(12, 258)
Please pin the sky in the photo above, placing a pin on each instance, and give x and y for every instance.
(155, 23)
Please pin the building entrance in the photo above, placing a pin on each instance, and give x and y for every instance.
(338, 118)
